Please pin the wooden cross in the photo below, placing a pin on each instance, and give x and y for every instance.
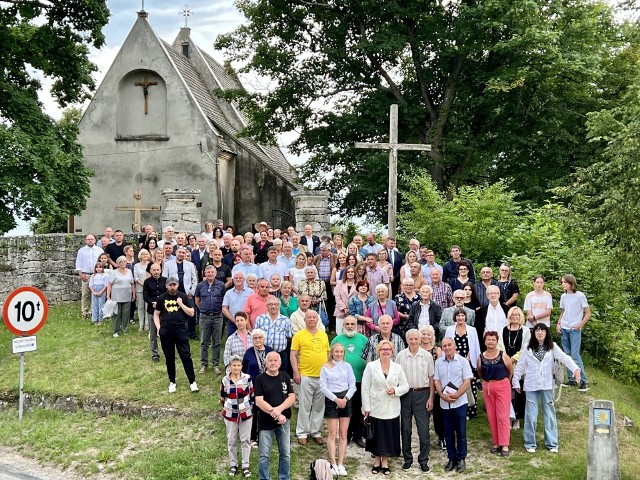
(145, 90)
(393, 146)
(138, 207)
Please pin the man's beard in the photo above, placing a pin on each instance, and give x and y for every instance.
(349, 334)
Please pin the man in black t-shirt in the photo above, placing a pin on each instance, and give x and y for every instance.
(116, 249)
(274, 397)
(172, 313)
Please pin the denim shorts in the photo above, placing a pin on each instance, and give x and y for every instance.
(331, 410)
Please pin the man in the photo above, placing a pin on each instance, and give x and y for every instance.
(429, 263)
(234, 301)
(167, 249)
(414, 246)
(233, 250)
(394, 257)
(104, 242)
(371, 246)
(375, 275)
(272, 265)
(226, 243)
(209, 296)
(450, 270)
(448, 314)
(425, 312)
(172, 313)
(310, 240)
(214, 257)
(354, 344)
(277, 329)
(382, 332)
(277, 233)
(441, 291)
(246, 266)
(167, 237)
(144, 238)
(297, 317)
(152, 288)
(185, 272)
(486, 275)
(309, 351)
(492, 317)
(325, 262)
(115, 249)
(108, 232)
(274, 397)
(417, 403)
(198, 254)
(452, 379)
(287, 257)
(86, 260)
(297, 246)
(220, 223)
(181, 241)
(357, 239)
(256, 303)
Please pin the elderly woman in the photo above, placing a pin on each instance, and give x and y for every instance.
(536, 364)
(383, 383)
(254, 363)
(239, 341)
(140, 275)
(345, 289)
(274, 285)
(208, 231)
(465, 338)
(359, 304)
(509, 290)
(428, 343)
(121, 289)
(312, 286)
(404, 301)
(288, 303)
(515, 337)
(252, 281)
(381, 306)
(338, 384)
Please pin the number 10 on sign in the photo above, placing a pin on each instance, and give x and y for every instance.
(25, 311)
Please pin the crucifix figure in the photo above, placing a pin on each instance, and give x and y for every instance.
(186, 13)
(137, 208)
(393, 146)
(145, 90)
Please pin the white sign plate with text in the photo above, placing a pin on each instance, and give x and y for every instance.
(24, 344)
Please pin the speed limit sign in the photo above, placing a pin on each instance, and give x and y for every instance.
(25, 311)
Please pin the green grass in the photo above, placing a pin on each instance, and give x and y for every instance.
(74, 358)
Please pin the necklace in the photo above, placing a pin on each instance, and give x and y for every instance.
(512, 343)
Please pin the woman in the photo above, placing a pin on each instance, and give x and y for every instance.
(296, 274)
(152, 246)
(361, 272)
(410, 258)
(158, 259)
(312, 286)
(274, 285)
(140, 275)
(359, 304)
(252, 281)
(338, 384)
(338, 244)
(381, 306)
(538, 304)
(208, 231)
(254, 363)
(515, 338)
(260, 249)
(248, 239)
(463, 276)
(121, 289)
(509, 290)
(288, 303)
(467, 344)
(428, 343)
(237, 399)
(352, 260)
(471, 299)
(239, 341)
(383, 383)
(337, 271)
(536, 364)
(495, 369)
(352, 249)
(218, 233)
(192, 242)
(384, 264)
(404, 301)
(345, 289)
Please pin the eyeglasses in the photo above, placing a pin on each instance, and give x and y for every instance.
(386, 349)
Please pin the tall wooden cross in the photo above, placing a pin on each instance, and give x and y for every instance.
(137, 208)
(393, 146)
(145, 90)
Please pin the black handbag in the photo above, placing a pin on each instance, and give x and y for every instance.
(367, 429)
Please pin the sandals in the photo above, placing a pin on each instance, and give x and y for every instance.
(386, 471)
(246, 472)
(233, 471)
(376, 469)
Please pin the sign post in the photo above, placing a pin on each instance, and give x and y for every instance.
(602, 461)
(24, 313)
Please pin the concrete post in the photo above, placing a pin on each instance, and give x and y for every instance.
(312, 207)
(602, 462)
(182, 211)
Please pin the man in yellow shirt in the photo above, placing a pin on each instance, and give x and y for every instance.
(309, 351)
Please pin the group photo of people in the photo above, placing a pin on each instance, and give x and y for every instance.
(364, 343)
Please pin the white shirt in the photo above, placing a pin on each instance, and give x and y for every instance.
(87, 258)
(423, 320)
(454, 371)
(572, 305)
(539, 375)
(496, 319)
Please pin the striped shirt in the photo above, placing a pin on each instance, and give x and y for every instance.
(278, 331)
(418, 368)
(236, 398)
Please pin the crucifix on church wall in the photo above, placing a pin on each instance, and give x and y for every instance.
(145, 91)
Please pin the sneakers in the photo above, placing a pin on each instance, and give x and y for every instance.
(216, 370)
(334, 470)
(342, 471)
(194, 387)
(246, 472)
(172, 387)
(584, 387)
(203, 369)
(570, 383)
(531, 450)
(115, 335)
(254, 444)
(233, 471)
(554, 450)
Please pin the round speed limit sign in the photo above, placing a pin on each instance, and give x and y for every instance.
(25, 311)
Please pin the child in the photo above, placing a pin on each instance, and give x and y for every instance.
(236, 396)
(98, 286)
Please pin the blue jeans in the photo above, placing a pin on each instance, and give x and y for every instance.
(455, 425)
(548, 417)
(265, 438)
(96, 305)
(571, 340)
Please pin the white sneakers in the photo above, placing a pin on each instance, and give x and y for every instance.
(554, 450)
(342, 471)
(338, 470)
(531, 450)
(194, 387)
(172, 387)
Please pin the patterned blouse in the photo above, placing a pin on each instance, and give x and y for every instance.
(314, 288)
(236, 398)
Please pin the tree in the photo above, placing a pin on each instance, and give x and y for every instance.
(42, 171)
(497, 88)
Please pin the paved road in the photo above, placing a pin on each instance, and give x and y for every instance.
(14, 466)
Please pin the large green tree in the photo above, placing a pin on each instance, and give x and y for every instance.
(499, 88)
(40, 163)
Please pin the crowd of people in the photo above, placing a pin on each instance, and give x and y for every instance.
(356, 334)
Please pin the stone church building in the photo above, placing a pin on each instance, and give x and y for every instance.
(155, 125)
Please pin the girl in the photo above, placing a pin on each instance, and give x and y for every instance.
(98, 286)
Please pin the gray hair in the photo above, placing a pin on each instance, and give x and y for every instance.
(234, 358)
(325, 246)
(252, 275)
(258, 332)
(411, 332)
(209, 267)
(309, 267)
(120, 259)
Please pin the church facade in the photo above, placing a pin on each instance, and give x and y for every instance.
(156, 124)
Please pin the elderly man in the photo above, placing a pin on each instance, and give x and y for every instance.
(375, 275)
(152, 288)
(441, 291)
(171, 315)
(452, 379)
(448, 314)
(186, 273)
(428, 263)
(246, 266)
(256, 303)
(450, 270)
(357, 240)
(354, 343)
(272, 265)
(297, 317)
(491, 317)
(274, 397)
(86, 260)
(287, 257)
(167, 237)
(234, 301)
(417, 403)
(325, 262)
(425, 312)
(414, 246)
(309, 351)
(277, 328)
(209, 296)
(486, 276)
(383, 332)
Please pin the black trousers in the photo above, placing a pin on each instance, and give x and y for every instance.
(355, 425)
(172, 339)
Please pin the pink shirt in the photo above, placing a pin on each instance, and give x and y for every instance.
(254, 307)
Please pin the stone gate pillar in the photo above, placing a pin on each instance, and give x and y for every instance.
(182, 211)
(312, 207)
